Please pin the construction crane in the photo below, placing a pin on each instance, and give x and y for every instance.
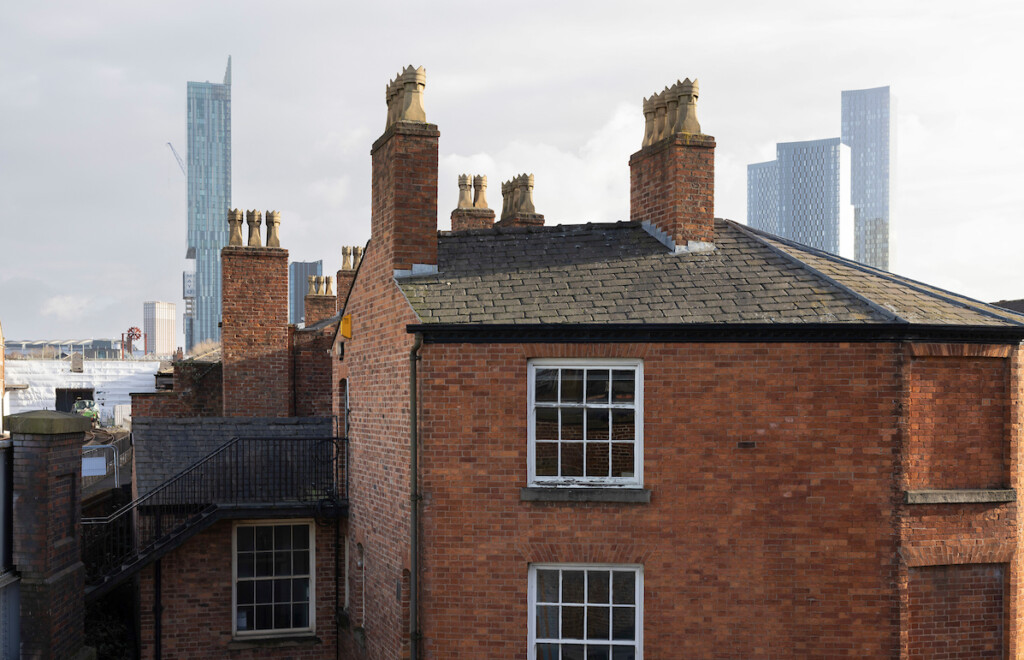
(181, 163)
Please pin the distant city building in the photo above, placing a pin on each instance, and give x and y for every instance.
(158, 321)
(868, 130)
(209, 197)
(832, 194)
(298, 284)
(803, 195)
(91, 349)
(188, 318)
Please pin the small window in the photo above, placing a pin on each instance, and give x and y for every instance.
(585, 611)
(586, 423)
(274, 585)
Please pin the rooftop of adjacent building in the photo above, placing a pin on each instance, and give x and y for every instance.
(1015, 305)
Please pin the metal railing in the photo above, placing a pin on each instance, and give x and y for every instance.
(242, 472)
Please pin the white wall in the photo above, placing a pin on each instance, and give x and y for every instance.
(112, 380)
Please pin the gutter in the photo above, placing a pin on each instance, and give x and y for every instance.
(414, 505)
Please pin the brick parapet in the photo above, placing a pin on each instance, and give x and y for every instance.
(672, 187)
(465, 219)
(254, 333)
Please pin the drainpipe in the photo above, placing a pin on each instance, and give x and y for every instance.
(414, 506)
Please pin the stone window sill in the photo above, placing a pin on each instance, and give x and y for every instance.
(964, 496)
(617, 495)
(273, 642)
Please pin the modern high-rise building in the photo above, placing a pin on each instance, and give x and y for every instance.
(868, 130)
(298, 285)
(832, 194)
(158, 326)
(804, 195)
(209, 198)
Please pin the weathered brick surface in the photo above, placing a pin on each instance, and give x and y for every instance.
(47, 538)
(463, 219)
(197, 392)
(254, 332)
(312, 357)
(196, 597)
(318, 308)
(672, 186)
(956, 612)
(959, 414)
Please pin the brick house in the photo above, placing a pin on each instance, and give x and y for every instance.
(673, 437)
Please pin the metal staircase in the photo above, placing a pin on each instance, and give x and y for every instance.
(243, 478)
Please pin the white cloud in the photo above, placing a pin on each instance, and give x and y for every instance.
(66, 307)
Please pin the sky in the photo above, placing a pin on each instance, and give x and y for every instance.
(94, 206)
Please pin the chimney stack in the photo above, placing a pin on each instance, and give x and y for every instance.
(517, 203)
(254, 320)
(672, 177)
(320, 302)
(350, 258)
(404, 180)
(472, 211)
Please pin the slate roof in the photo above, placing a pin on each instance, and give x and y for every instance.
(618, 273)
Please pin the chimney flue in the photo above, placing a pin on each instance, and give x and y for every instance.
(517, 208)
(472, 213)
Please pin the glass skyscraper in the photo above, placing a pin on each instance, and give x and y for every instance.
(803, 195)
(298, 285)
(209, 198)
(867, 129)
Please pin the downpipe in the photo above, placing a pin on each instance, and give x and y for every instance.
(414, 505)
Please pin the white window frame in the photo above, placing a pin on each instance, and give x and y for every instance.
(637, 480)
(278, 632)
(638, 571)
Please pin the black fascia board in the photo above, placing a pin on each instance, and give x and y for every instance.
(585, 333)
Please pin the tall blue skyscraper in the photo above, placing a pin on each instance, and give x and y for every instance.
(298, 285)
(804, 195)
(209, 198)
(867, 129)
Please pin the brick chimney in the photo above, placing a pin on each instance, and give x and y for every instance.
(672, 177)
(472, 211)
(350, 258)
(320, 302)
(404, 217)
(254, 325)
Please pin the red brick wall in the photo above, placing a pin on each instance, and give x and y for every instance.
(404, 214)
(463, 219)
(313, 386)
(196, 596)
(254, 332)
(344, 281)
(956, 612)
(198, 392)
(786, 547)
(672, 186)
(318, 308)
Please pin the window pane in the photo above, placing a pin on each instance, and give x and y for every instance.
(264, 563)
(622, 459)
(572, 386)
(572, 459)
(547, 652)
(264, 538)
(282, 616)
(547, 459)
(623, 623)
(283, 562)
(623, 386)
(623, 591)
(264, 592)
(246, 565)
(300, 537)
(300, 589)
(246, 539)
(546, 383)
(597, 423)
(264, 617)
(573, 652)
(597, 622)
(623, 425)
(301, 564)
(572, 622)
(547, 424)
(572, 423)
(597, 386)
(300, 615)
(246, 593)
(572, 586)
(282, 591)
(597, 459)
(547, 622)
(283, 537)
(245, 618)
(597, 586)
(598, 652)
(623, 653)
(547, 586)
